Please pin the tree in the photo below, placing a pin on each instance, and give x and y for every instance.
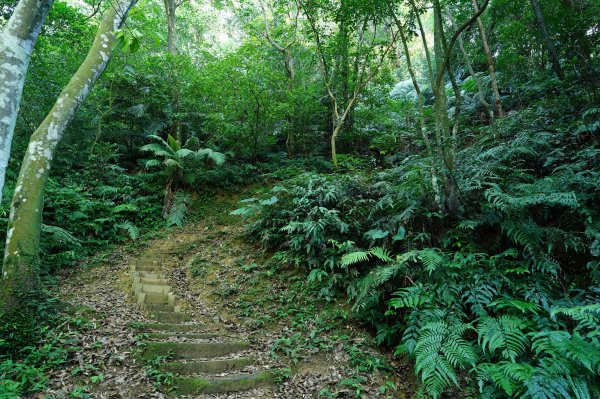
(174, 157)
(289, 62)
(490, 62)
(170, 9)
(541, 21)
(480, 90)
(422, 126)
(17, 41)
(20, 272)
(362, 29)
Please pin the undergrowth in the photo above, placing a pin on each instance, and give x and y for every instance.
(499, 300)
(26, 372)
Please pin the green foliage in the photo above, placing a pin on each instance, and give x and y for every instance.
(160, 379)
(499, 297)
(25, 368)
(504, 295)
(179, 209)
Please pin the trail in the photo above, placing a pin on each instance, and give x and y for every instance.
(216, 286)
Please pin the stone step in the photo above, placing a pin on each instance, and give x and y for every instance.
(160, 307)
(169, 317)
(151, 288)
(148, 262)
(145, 268)
(230, 383)
(153, 281)
(192, 350)
(182, 335)
(148, 275)
(170, 327)
(206, 366)
(154, 298)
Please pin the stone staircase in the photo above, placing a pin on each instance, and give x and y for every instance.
(202, 362)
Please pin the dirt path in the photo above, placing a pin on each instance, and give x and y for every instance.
(229, 287)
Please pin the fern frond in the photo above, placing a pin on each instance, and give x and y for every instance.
(504, 333)
(158, 150)
(60, 235)
(431, 259)
(353, 258)
(179, 210)
(132, 231)
(217, 158)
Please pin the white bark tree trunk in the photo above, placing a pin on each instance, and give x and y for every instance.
(20, 271)
(17, 41)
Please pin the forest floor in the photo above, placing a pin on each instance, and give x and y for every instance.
(230, 287)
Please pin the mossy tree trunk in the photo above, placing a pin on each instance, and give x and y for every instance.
(17, 41)
(20, 272)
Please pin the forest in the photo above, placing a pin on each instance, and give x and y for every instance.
(350, 198)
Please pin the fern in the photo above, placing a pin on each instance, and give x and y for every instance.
(441, 349)
(216, 157)
(353, 258)
(132, 231)
(179, 210)
(431, 259)
(60, 235)
(504, 333)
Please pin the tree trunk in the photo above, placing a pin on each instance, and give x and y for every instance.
(170, 8)
(425, 45)
(490, 61)
(344, 62)
(333, 140)
(480, 91)
(17, 41)
(541, 21)
(445, 141)
(422, 127)
(20, 271)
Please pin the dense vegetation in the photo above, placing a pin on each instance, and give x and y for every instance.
(435, 163)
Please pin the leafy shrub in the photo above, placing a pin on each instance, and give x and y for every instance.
(502, 300)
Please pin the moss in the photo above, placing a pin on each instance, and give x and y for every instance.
(168, 327)
(188, 336)
(232, 383)
(19, 327)
(191, 350)
(206, 366)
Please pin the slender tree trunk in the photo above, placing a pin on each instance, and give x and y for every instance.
(17, 41)
(455, 88)
(344, 64)
(290, 69)
(425, 46)
(446, 142)
(422, 127)
(440, 101)
(490, 62)
(20, 273)
(541, 21)
(480, 91)
(170, 9)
